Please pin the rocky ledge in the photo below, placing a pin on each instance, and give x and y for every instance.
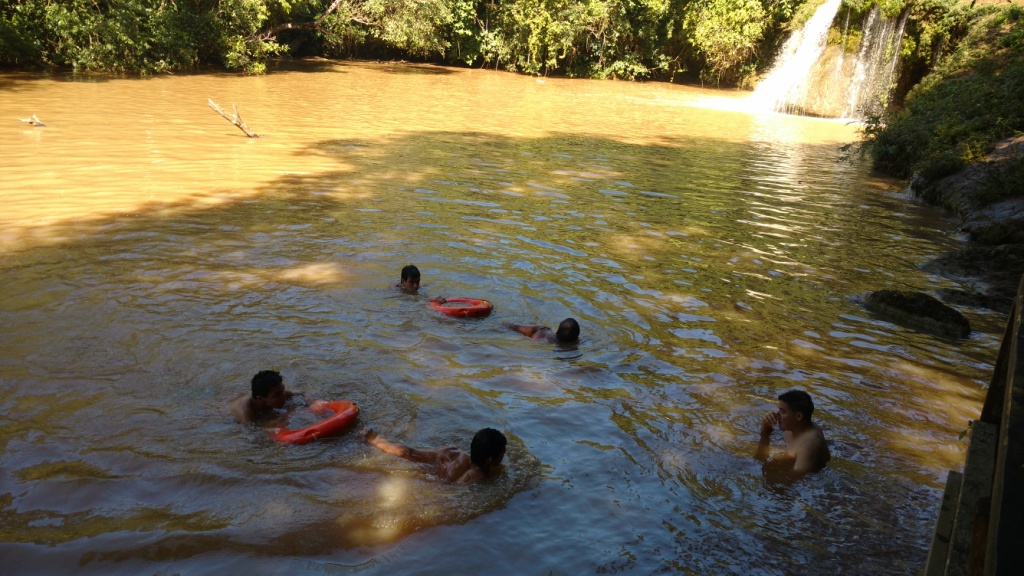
(988, 199)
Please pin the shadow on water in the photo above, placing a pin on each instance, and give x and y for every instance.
(419, 69)
(307, 66)
(163, 312)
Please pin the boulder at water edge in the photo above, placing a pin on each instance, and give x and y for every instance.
(920, 311)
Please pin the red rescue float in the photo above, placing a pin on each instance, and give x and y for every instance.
(345, 413)
(463, 307)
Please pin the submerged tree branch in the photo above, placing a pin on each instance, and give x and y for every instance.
(235, 118)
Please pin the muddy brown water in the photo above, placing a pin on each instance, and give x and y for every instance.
(153, 259)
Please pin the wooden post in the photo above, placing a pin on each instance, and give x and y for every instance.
(939, 553)
(975, 490)
(1005, 553)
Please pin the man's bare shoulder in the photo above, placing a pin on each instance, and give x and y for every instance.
(544, 333)
(815, 437)
(451, 453)
(455, 464)
(822, 445)
(473, 474)
(811, 450)
(241, 408)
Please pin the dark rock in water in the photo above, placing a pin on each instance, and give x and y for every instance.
(920, 311)
(1000, 267)
(975, 299)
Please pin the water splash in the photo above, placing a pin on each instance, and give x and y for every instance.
(876, 63)
(787, 83)
(816, 79)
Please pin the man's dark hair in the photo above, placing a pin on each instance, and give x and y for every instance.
(568, 331)
(799, 401)
(263, 381)
(487, 443)
(410, 272)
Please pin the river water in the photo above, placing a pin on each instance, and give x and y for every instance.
(153, 259)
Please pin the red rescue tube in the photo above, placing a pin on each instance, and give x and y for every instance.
(473, 308)
(345, 413)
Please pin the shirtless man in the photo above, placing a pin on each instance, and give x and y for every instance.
(568, 331)
(262, 405)
(410, 282)
(806, 447)
(454, 465)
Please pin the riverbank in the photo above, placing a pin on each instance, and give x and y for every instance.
(985, 200)
(957, 138)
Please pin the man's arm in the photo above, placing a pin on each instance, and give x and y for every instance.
(400, 450)
(526, 330)
(801, 467)
(768, 423)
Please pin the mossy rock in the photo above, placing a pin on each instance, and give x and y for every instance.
(920, 311)
(999, 267)
(974, 299)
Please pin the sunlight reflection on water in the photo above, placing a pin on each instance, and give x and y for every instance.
(713, 258)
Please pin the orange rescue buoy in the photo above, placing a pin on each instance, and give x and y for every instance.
(463, 307)
(345, 413)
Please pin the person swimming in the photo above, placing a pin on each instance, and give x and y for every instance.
(410, 282)
(268, 395)
(484, 459)
(806, 448)
(568, 331)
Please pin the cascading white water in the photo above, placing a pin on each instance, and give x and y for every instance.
(787, 84)
(838, 68)
(812, 78)
(860, 69)
(876, 63)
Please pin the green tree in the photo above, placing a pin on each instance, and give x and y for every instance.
(727, 33)
(627, 39)
(112, 35)
(973, 97)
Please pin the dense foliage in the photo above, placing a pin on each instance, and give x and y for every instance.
(721, 40)
(973, 97)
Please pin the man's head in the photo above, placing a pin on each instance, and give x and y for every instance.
(568, 331)
(487, 449)
(795, 409)
(268, 389)
(410, 278)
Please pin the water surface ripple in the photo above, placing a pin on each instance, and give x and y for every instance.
(153, 259)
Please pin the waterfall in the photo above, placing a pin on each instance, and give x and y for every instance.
(876, 62)
(812, 78)
(846, 30)
(786, 85)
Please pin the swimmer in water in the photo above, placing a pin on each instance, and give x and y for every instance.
(806, 448)
(483, 461)
(568, 331)
(262, 406)
(410, 283)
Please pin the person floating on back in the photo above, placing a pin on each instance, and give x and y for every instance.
(454, 465)
(568, 331)
(410, 279)
(263, 405)
(806, 448)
